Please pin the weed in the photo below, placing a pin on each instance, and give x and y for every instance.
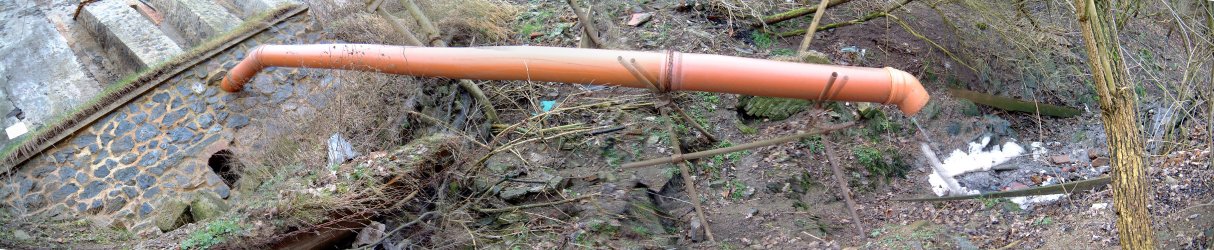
(641, 230)
(711, 98)
(214, 233)
(761, 40)
(882, 163)
(737, 189)
(1044, 221)
(877, 232)
(532, 22)
(988, 203)
(969, 108)
(746, 130)
(878, 123)
(813, 143)
(734, 157)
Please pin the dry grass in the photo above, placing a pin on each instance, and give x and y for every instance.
(377, 112)
(482, 21)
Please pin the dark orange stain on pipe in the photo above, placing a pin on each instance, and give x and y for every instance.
(672, 71)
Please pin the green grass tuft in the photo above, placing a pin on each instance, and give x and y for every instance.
(214, 234)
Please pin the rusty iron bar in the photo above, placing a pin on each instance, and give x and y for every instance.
(693, 194)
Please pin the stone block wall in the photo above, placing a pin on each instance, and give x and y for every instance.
(250, 8)
(121, 168)
(127, 36)
(196, 20)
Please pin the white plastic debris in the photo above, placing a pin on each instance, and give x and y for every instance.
(975, 159)
(1100, 206)
(340, 150)
(16, 130)
(1027, 201)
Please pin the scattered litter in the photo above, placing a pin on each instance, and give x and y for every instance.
(370, 235)
(1100, 206)
(637, 19)
(16, 130)
(1039, 150)
(857, 53)
(1027, 201)
(547, 105)
(340, 150)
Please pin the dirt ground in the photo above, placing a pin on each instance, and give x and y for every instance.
(557, 180)
(770, 214)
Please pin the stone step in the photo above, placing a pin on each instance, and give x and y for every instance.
(249, 8)
(126, 35)
(195, 20)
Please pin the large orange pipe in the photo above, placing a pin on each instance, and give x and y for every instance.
(670, 70)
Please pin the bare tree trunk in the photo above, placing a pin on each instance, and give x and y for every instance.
(1117, 104)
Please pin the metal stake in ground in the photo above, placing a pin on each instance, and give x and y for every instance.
(688, 183)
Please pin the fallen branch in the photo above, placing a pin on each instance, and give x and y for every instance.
(398, 228)
(410, 38)
(930, 41)
(813, 26)
(1065, 188)
(710, 153)
(533, 205)
(798, 12)
(436, 40)
(865, 18)
(590, 33)
(1012, 104)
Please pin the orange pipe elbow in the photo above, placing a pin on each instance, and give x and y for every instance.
(671, 71)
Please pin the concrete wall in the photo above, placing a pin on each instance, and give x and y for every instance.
(38, 72)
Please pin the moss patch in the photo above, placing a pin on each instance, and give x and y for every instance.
(773, 108)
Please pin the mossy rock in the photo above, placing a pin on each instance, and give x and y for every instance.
(969, 108)
(815, 57)
(773, 108)
(207, 206)
(172, 214)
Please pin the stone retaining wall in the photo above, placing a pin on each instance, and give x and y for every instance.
(120, 169)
